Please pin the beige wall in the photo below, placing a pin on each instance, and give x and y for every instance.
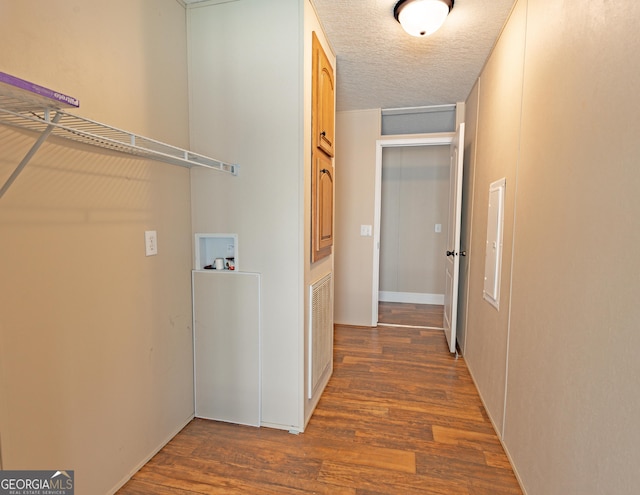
(496, 157)
(415, 197)
(95, 338)
(356, 135)
(568, 345)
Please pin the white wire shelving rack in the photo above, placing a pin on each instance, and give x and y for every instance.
(28, 106)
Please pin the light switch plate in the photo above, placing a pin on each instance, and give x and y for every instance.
(151, 242)
(438, 228)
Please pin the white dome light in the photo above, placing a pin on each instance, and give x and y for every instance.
(422, 17)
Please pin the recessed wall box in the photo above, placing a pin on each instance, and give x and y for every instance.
(209, 247)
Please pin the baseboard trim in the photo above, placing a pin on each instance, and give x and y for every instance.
(497, 430)
(137, 468)
(408, 326)
(410, 297)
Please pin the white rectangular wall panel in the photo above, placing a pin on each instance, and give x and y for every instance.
(493, 253)
(227, 346)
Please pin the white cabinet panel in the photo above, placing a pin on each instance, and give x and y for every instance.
(493, 253)
(227, 346)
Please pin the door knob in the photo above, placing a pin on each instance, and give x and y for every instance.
(463, 253)
(451, 253)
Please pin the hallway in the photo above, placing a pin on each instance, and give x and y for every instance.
(399, 416)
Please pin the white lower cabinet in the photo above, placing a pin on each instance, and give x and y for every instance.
(226, 309)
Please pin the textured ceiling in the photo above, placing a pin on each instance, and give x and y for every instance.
(380, 66)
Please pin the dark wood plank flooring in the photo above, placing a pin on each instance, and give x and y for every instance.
(400, 416)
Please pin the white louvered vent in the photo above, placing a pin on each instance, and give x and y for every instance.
(320, 332)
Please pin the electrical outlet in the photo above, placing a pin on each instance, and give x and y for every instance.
(151, 242)
(366, 230)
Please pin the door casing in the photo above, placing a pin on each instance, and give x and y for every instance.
(439, 139)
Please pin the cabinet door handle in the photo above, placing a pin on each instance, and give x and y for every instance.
(323, 134)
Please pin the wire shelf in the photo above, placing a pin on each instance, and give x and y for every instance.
(29, 106)
(87, 131)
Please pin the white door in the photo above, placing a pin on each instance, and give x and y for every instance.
(453, 239)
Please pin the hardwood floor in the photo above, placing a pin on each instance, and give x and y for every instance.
(400, 416)
(425, 315)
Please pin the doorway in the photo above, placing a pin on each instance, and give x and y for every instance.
(407, 235)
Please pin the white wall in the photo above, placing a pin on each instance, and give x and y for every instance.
(95, 338)
(250, 104)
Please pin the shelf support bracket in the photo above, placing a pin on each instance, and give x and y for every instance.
(36, 146)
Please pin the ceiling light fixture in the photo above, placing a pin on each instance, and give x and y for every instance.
(422, 17)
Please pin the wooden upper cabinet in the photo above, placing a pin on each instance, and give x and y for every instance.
(322, 205)
(322, 128)
(324, 98)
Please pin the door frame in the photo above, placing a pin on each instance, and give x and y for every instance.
(435, 139)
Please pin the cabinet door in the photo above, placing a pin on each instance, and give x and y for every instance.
(227, 346)
(324, 98)
(322, 206)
